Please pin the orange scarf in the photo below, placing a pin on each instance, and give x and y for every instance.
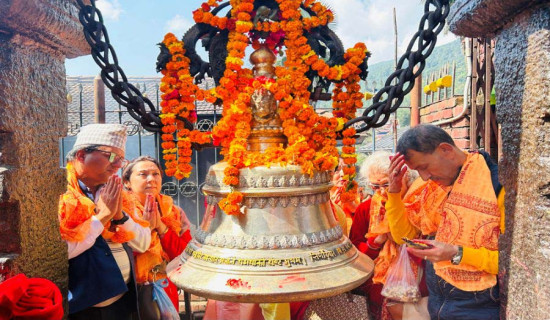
(378, 224)
(470, 218)
(424, 203)
(76, 211)
(153, 259)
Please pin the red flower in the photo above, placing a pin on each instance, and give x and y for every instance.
(172, 95)
(231, 24)
(216, 141)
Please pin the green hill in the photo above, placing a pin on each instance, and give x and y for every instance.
(441, 56)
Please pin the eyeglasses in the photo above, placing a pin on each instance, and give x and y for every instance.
(375, 186)
(113, 157)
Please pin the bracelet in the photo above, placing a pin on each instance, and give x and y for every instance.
(120, 221)
(163, 233)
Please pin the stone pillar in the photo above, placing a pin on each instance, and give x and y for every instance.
(521, 29)
(35, 38)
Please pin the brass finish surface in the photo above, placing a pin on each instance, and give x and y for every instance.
(271, 252)
(286, 244)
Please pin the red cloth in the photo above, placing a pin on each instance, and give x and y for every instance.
(173, 245)
(172, 293)
(30, 298)
(359, 229)
(298, 310)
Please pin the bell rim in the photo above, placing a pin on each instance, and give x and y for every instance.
(353, 272)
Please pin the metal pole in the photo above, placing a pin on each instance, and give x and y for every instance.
(187, 299)
(473, 116)
(139, 139)
(80, 102)
(453, 86)
(198, 187)
(416, 100)
(394, 126)
(487, 101)
(157, 88)
(373, 140)
(445, 96)
(157, 135)
(425, 95)
(395, 38)
(439, 91)
(99, 100)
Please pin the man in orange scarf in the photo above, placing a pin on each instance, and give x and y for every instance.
(99, 224)
(460, 210)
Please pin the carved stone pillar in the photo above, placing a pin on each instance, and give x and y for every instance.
(521, 29)
(35, 38)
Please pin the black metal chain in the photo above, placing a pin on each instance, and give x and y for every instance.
(139, 107)
(431, 24)
(143, 110)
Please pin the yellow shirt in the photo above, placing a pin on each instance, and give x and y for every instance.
(400, 226)
(275, 311)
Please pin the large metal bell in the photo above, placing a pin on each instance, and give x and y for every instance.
(287, 246)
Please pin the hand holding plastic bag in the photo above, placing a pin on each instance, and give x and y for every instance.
(167, 309)
(401, 283)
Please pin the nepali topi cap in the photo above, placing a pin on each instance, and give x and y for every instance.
(103, 134)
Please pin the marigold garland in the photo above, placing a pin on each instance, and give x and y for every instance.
(311, 138)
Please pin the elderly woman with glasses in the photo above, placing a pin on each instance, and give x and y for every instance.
(370, 232)
(169, 225)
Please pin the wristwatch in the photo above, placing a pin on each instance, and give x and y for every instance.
(458, 256)
(121, 220)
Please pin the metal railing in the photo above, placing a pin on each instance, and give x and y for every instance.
(86, 105)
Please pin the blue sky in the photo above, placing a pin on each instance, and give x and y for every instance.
(136, 26)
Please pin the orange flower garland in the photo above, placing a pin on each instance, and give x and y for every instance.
(179, 95)
(311, 138)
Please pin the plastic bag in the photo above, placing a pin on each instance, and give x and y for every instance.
(167, 309)
(401, 282)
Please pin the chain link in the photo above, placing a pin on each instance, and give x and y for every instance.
(376, 115)
(431, 24)
(139, 107)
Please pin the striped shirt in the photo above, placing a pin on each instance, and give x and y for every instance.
(123, 262)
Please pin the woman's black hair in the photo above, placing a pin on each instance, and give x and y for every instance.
(127, 172)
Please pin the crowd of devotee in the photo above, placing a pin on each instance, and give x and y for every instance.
(430, 222)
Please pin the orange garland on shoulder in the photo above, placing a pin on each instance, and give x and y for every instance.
(311, 137)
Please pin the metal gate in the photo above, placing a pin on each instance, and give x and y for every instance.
(484, 129)
(88, 103)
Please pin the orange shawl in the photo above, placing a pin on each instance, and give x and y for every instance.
(155, 255)
(378, 224)
(76, 211)
(424, 203)
(470, 218)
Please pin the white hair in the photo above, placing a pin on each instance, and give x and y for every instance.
(379, 163)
